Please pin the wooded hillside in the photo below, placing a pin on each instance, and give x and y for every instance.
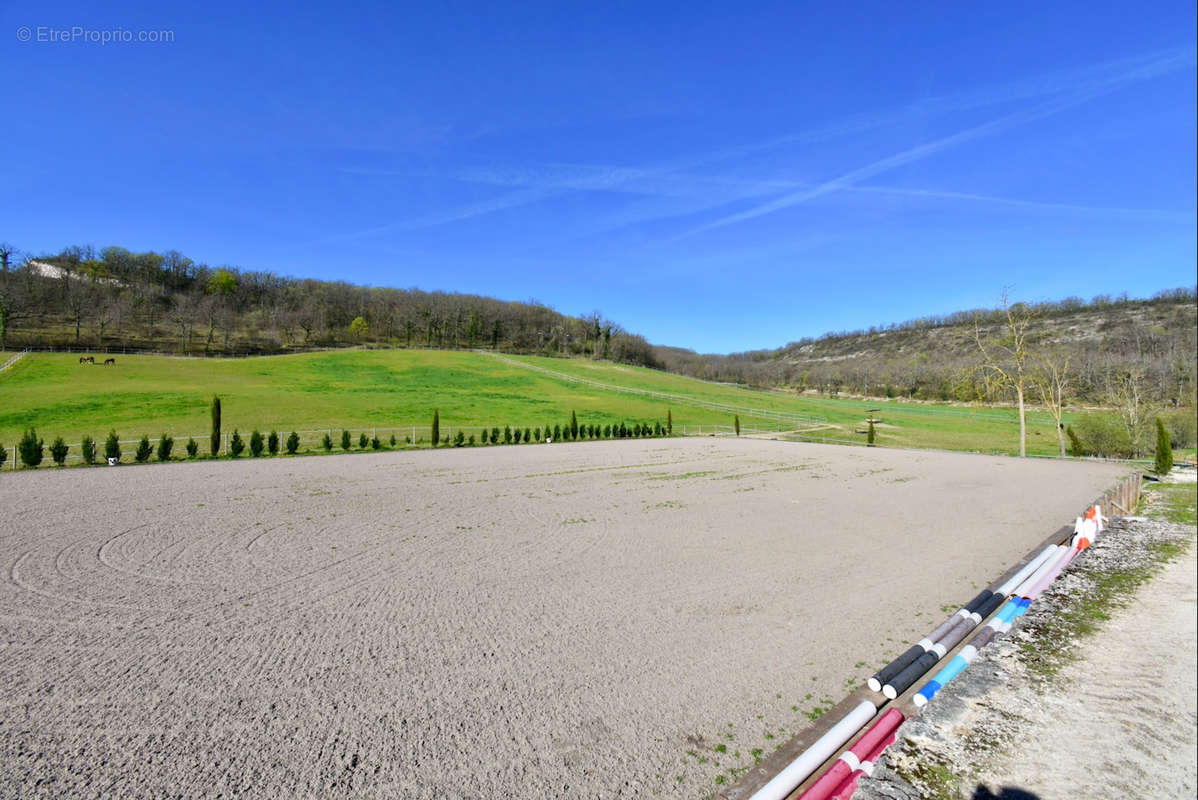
(935, 358)
(114, 298)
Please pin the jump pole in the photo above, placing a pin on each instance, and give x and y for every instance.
(959, 630)
(850, 760)
(797, 771)
(883, 676)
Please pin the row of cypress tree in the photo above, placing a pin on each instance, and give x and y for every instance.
(571, 431)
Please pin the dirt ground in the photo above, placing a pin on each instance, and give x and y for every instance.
(603, 619)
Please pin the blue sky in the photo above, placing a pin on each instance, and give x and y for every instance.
(714, 176)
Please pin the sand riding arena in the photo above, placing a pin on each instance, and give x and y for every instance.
(604, 619)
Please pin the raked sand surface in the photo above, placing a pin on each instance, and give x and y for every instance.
(577, 620)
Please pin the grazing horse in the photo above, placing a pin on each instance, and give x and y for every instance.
(108, 361)
(87, 359)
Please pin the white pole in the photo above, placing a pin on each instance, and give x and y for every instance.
(798, 770)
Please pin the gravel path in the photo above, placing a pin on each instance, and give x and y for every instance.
(556, 621)
(1124, 722)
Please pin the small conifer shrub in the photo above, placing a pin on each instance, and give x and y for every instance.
(58, 451)
(112, 446)
(165, 445)
(236, 444)
(31, 448)
(292, 443)
(256, 443)
(144, 450)
(272, 443)
(87, 449)
(193, 447)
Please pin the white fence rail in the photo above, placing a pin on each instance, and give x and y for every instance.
(758, 413)
(14, 359)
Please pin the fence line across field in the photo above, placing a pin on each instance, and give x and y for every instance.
(415, 436)
(759, 413)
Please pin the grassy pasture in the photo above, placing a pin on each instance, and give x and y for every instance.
(364, 389)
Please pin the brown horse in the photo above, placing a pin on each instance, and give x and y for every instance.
(108, 361)
(87, 359)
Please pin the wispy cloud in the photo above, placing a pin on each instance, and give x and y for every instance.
(1092, 89)
(697, 193)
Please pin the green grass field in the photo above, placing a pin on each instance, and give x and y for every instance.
(397, 389)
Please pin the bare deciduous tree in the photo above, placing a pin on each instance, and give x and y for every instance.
(1007, 358)
(1126, 394)
(1051, 381)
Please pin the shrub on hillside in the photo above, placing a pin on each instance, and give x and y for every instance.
(58, 451)
(256, 443)
(292, 443)
(557, 433)
(517, 435)
(507, 434)
(3, 456)
(1182, 427)
(536, 434)
(327, 441)
(527, 435)
(236, 444)
(363, 441)
(375, 443)
(165, 445)
(112, 446)
(87, 449)
(1105, 436)
(144, 450)
(272, 443)
(193, 447)
(470, 441)
(31, 448)
(345, 441)
(1076, 449)
(459, 439)
(494, 435)
(607, 431)
(393, 440)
